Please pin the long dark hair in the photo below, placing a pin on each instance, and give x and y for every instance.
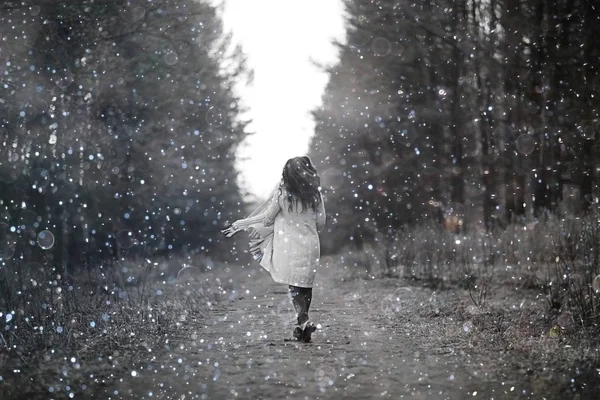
(302, 183)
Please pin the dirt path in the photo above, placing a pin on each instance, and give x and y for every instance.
(244, 350)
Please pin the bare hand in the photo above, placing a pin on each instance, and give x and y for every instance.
(232, 230)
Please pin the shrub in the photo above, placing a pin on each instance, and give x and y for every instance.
(573, 278)
(56, 330)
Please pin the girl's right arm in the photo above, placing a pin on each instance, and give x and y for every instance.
(321, 216)
(267, 217)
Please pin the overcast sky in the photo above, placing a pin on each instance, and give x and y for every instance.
(280, 37)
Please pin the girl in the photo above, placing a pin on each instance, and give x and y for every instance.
(284, 232)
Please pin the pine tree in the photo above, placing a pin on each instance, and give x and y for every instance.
(119, 125)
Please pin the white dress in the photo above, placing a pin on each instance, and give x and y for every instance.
(291, 254)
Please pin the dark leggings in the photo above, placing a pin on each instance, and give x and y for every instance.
(301, 298)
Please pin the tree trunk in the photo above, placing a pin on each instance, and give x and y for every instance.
(485, 136)
(590, 66)
(541, 178)
(514, 182)
(457, 183)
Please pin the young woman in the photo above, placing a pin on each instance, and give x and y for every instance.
(284, 232)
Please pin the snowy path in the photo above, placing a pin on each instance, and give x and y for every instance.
(244, 350)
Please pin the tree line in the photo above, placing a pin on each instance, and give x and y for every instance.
(476, 113)
(119, 128)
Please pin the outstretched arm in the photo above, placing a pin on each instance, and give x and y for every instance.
(266, 217)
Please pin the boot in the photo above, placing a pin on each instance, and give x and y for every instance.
(299, 329)
(298, 333)
(308, 331)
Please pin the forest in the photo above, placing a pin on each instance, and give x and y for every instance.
(119, 129)
(459, 136)
(478, 114)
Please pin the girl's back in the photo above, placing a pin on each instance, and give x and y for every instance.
(294, 214)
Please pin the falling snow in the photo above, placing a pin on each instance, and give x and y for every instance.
(457, 149)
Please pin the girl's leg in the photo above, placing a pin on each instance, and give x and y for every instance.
(301, 298)
(307, 292)
(301, 302)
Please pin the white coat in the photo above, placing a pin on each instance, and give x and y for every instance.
(287, 240)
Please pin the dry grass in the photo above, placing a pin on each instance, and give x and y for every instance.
(560, 256)
(511, 337)
(524, 295)
(77, 335)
